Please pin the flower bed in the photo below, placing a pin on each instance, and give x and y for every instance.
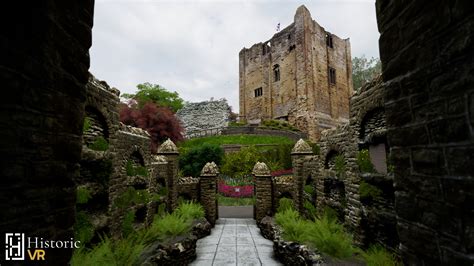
(245, 191)
(282, 172)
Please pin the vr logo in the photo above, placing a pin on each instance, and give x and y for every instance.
(15, 246)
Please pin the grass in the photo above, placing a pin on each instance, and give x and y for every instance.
(327, 235)
(126, 251)
(99, 144)
(132, 169)
(228, 201)
(83, 229)
(83, 195)
(285, 204)
(235, 139)
(368, 191)
(378, 256)
(87, 124)
(364, 163)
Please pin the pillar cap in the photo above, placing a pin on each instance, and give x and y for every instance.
(261, 169)
(301, 147)
(210, 169)
(167, 147)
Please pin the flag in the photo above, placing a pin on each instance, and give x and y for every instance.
(278, 26)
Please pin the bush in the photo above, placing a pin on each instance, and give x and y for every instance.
(309, 189)
(193, 160)
(285, 204)
(99, 144)
(87, 124)
(127, 223)
(118, 252)
(238, 124)
(167, 227)
(83, 195)
(368, 191)
(132, 196)
(378, 256)
(329, 237)
(83, 229)
(315, 147)
(240, 164)
(310, 209)
(133, 169)
(190, 211)
(364, 163)
(339, 165)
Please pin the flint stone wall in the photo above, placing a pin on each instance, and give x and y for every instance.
(196, 117)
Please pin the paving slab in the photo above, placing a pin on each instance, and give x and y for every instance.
(235, 241)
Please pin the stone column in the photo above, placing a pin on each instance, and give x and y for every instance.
(299, 155)
(263, 191)
(208, 186)
(169, 150)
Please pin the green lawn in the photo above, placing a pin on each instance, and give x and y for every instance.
(228, 201)
(236, 139)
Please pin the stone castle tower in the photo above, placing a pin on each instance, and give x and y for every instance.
(303, 74)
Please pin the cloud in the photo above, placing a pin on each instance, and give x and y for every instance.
(192, 47)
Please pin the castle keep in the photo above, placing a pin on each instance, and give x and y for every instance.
(302, 75)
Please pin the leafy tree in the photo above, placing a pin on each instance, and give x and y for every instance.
(364, 70)
(148, 92)
(193, 160)
(159, 122)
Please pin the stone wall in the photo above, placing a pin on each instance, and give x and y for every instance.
(196, 117)
(426, 49)
(264, 132)
(44, 72)
(301, 58)
(188, 188)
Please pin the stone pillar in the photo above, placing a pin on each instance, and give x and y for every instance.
(299, 155)
(208, 186)
(263, 191)
(170, 151)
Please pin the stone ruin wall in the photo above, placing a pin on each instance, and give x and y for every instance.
(426, 49)
(303, 95)
(196, 117)
(103, 173)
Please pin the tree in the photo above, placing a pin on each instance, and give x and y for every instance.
(160, 96)
(364, 70)
(193, 160)
(159, 122)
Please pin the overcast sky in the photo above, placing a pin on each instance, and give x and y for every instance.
(192, 47)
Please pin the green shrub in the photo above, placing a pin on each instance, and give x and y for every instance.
(285, 204)
(328, 212)
(190, 211)
(83, 195)
(132, 196)
(87, 124)
(168, 227)
(133, 169)
(329, 237)
(193, 160)
(83, 229)
(339, 165)
(378, 256)
(127, 222)
(315, 147)
(368, 191)
(99, 144)
(240, 164)
(96, 170)
(364, 163)
(110, 252)
(238, 124)
(310, 209)
(309, 189)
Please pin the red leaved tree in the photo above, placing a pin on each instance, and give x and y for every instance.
(159, 122)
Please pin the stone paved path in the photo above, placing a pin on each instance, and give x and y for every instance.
(235, 242)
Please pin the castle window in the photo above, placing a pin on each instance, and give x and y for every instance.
(329, 40)
(276, 73)
(258, 92)
(332, 75)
